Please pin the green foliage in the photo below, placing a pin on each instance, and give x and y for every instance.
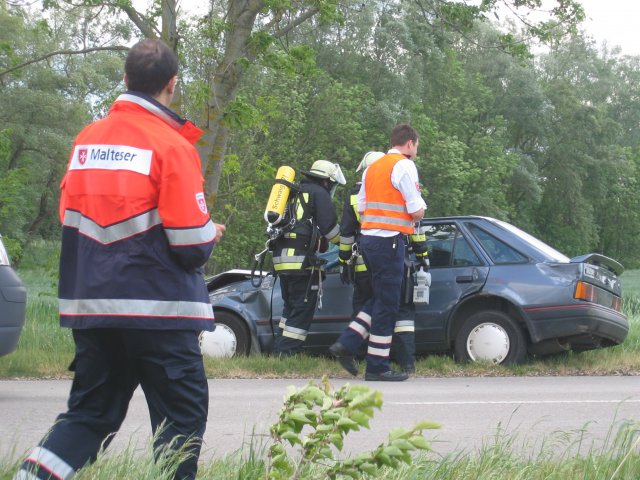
(42, 107)
(550, 145)
(327, 417)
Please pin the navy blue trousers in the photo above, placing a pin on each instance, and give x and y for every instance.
(300, 297)
(384, 257)
(109, 364)
(403, 344)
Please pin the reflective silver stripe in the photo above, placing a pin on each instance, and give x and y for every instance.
(282, 323)
(404, 329)
(191, 236)
(113, 233)
(378, 352)
(365, 317)
(149, 308)
(151, 108)
(404, 326)
(295, 333)
(380, 339)
(334, 233)
(51, 462)
(405, 323)
(389, 220)
(349, 240)
(359, 329)
(294, 336)
(392, 207)
(288, 259)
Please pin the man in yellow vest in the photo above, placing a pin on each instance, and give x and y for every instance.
(389, 203)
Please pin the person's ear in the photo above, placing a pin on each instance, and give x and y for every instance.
(171, 86)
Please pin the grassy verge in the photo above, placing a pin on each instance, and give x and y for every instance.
(554, 459)
(45, 350)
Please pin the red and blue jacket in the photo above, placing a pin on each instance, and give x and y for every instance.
(136, 230)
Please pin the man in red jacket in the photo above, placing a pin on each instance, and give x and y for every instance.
(136, 233)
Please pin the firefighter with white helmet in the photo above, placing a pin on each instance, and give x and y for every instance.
(295, 253)
(350, 261)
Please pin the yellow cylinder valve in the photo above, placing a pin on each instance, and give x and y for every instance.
(277, 204)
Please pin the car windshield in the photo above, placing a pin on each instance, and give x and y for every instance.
(540, 245)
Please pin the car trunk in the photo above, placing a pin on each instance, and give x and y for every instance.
(598, 280)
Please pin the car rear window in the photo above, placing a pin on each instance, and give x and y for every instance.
(499, 251)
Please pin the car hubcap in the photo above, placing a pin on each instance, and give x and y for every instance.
(488, 341)
(219, 343)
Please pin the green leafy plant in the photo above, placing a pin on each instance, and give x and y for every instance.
(314, 421)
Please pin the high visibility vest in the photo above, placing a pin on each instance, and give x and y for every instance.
(385, 206)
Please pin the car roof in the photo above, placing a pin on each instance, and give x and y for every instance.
(523, 241)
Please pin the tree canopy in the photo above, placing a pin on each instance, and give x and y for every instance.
(548, 141)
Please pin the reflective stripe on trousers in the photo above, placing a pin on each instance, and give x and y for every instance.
(297, 313)
(109, 365)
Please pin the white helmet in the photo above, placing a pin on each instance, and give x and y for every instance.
(368, 159)
(326, 169)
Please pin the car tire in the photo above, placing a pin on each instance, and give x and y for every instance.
(490, 335)
(229, 339)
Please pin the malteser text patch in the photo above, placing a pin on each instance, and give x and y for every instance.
(111, 157)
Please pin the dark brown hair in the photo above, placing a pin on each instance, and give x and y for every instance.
(149, 66)
(402, 133)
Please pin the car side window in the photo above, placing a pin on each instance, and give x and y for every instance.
(463, 255)
(440, 240)
(500, 252)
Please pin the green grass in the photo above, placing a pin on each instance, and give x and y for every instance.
(44, 350)
(630, 283)
(561, 456)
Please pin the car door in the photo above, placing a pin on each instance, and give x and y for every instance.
(333, 313)
(457, 271)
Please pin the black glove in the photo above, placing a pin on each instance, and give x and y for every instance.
(345, 273)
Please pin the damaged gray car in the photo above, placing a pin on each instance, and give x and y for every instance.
(497, 294)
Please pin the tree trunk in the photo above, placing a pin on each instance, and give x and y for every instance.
(241, 17)
(44, 210)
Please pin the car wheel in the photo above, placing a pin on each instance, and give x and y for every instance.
(230, 338)
(492, 336)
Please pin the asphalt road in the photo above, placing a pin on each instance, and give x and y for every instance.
(529, 411)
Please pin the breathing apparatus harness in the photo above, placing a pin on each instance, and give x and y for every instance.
(285, 221)
(276, 229)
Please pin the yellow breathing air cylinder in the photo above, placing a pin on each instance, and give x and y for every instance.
(276, 206)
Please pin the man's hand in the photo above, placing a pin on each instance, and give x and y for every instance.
(417, 215)
(219, 230)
